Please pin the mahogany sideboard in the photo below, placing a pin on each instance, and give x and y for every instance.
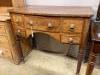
(65, 24)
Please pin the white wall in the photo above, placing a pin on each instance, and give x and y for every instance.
(92, 3)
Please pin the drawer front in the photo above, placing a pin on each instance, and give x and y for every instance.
(2, 29)
(72, 25)
(31, 22)
(51, 24)
(18, 19)
(19, 30)
(43, 23)
(70, 38)
(56, 36)
(4, 47)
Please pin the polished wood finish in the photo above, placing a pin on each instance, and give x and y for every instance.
(68, 11)
(66, 24)
(95, 48)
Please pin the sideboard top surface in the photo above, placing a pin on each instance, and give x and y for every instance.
(55, 11)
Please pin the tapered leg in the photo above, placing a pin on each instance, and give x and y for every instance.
(19, 54)
(91, 64)
(80, 57)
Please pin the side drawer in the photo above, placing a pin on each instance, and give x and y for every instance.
(72, 25)
(70, 38)
(51, 24)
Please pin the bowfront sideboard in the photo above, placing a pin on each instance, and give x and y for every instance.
(68, 25)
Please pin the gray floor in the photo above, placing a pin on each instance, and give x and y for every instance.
(42, 63)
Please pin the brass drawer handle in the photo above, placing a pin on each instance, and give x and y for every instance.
(17, 20)
(71, 40)
(72, 27)
(18, 33)
(30, 23)
(50, 25)
(18, 30)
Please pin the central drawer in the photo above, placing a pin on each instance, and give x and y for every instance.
(42, 23)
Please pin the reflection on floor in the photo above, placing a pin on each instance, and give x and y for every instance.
(43, 63)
